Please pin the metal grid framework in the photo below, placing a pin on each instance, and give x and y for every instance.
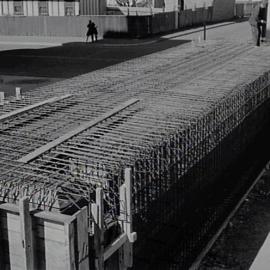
(190, 99)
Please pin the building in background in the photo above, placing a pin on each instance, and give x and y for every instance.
(52, 7)
(167, 5)
(222, 9)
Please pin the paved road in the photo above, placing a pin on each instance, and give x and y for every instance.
(238, 31)
(38, 59)
(33, 61)
(74, 58)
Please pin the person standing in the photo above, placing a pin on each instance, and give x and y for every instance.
(89, 30)
(261, 23)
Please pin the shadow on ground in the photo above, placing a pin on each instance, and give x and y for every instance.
(76, 58)
(240, 243)
(199, 29)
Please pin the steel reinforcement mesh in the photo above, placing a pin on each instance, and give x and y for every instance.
(191, 99)
(178, 225)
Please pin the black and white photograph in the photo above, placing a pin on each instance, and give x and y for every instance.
(134, 135)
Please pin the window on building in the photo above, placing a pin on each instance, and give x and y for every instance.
(18, 7)
(43, 8)
(69, 8)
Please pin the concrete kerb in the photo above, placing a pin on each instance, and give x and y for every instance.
(52, 43)
(129, 44)
(45, 44)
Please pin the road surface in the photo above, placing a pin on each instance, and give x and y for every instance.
(29, 62)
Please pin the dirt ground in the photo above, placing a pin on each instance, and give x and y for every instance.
(240, 242)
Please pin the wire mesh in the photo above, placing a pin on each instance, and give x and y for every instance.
(191, 98)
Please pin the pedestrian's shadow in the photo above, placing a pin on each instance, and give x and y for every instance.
(75, 58)
(79, 43)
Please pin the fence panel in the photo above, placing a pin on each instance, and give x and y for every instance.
(61, 26)
(163, 22)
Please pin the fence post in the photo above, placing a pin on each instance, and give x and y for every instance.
(2, 98)
(122, 257)
(26, 233)
(82, 239)
(18, 93)
(97, 210)
(126, 218)
(70, 245)
(204, 30)
(204, 21)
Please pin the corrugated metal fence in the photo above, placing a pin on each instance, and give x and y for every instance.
(133, 26)
(94, 7)
(61, 26)
(245, 9)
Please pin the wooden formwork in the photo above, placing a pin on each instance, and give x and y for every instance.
(42, 240)
(37, 240)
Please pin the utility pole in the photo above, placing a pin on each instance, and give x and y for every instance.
(204, 30)
(176, 9)
(204, 22)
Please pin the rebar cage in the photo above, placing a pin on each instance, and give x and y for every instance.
(165, 116)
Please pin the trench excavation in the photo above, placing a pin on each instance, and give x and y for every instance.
(181, 121)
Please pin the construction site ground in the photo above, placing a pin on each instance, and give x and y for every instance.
(33, 61)
(29, 62)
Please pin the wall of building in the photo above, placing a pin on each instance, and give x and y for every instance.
(222, 9)
(159, 3)
(134, 3)
(52, 7)
(170, 5)
(193, 4)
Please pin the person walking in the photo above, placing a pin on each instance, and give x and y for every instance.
(261, 23)
(257, 22)
(92, 31)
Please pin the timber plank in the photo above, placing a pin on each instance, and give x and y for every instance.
(69, 247)
(82, 239)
